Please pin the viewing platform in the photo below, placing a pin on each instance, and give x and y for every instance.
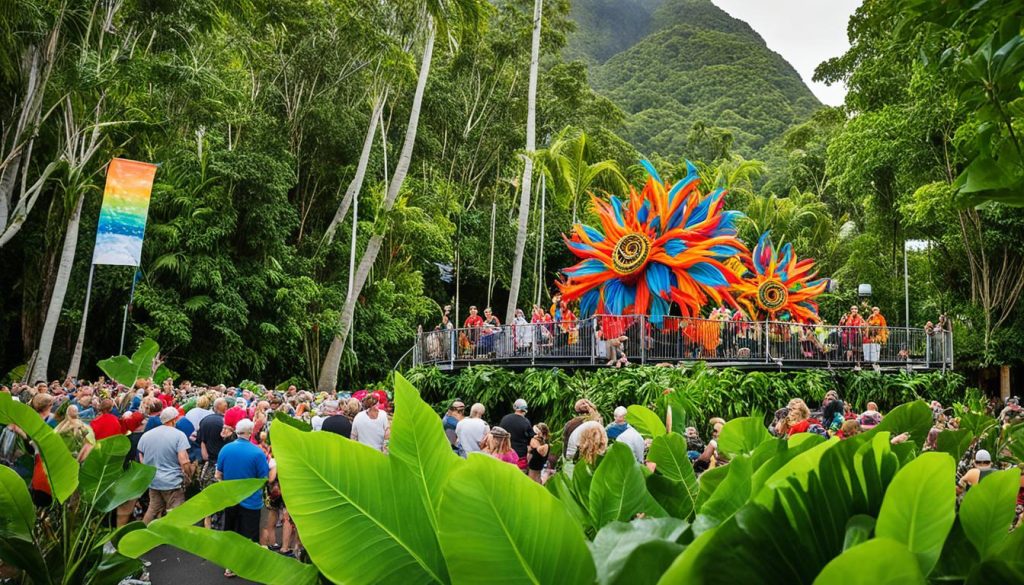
(591, 343)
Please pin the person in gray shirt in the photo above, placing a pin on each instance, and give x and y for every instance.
(165, 448)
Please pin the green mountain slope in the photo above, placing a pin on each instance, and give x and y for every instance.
(675, 63)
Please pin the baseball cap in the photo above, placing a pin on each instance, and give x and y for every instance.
(519, 404)
(168, 414)
(983, 456)
(458, 404)
(620, 411)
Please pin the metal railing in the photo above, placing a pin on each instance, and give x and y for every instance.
(607, 339)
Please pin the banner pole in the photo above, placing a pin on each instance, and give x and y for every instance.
(124, 322)
(76, 357)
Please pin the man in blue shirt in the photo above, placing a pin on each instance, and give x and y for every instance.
(243, 460)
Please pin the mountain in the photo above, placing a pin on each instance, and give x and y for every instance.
(674, 64)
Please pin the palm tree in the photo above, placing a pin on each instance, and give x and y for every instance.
(81, 145)
(531, 145)
(439, 16)
(565, 162)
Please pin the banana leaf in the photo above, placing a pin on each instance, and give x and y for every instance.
(61, 468)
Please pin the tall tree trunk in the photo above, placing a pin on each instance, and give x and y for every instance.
(356, 185)
(332, 361)
(60, 288)
(531, 146)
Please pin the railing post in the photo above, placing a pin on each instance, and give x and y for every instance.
(767, 343)
(643, 339)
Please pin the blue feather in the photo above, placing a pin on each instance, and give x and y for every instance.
(675, 247)
(618, 296)
(787, 251)
(764, 241)
(588, 302)
(658, 279)
(581, 246)
(651, 170)
(723, 251)
(588, 266)
(617, 208)
(644, 211)
(659, 308)
(691, 171)
(593, 234)
(656, 225)
(707, 275)
(700, 213)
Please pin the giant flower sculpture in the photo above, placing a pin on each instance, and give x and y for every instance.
(777, 286)
(663, 245)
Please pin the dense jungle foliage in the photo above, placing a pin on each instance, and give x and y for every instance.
(256, 112)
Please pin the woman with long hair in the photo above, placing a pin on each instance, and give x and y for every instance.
(798, 420)
(499, 446)
(593, 443)
(538, 451)
(77, 435)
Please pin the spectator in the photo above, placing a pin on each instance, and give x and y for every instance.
(632, 438)
(450, 422)
(520, 430)
(870, 418)
(243, 460)
(499, 446)
(106, 424)
(471, 431)
(538, 451)
(585, 410)
(593, 442)
(371, 427)
(77, 435)
(196, 414)
(165, 448)
(618, 424)
(982, 469)
(336, 422)
(134, 423)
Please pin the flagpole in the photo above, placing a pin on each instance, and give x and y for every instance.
(76, 357)
(124, 322)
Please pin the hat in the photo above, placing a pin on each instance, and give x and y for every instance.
(244, 427)
(168, 414)
(983, 456)
(330, 406)
(620, 411)
(457, 404)
(519, 404)
(233, 416)
(499, 432)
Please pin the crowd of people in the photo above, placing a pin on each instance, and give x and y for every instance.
(861, 337)
(195, 436)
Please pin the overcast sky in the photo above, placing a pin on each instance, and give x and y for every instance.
(805, 32)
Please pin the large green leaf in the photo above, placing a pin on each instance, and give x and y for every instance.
(418, 441)
(673, 484)
(286, 419)
(913, 417)
(358, 510)
(987, 510)
(881, 561)
(919, 507)
(954, 442)
(732, 493)
(858, 530)
(501, 527)
(636, 552)
(227, 549)
(741, 436)
(214, 498)
(17, 514)
(1005, 563)
(61, 467)
(618, 491)
(104, 483)
(645, 421)
(126, 370)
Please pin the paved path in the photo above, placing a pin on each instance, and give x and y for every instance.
(170, 566)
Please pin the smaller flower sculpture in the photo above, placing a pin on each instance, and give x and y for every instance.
(777, 286)
(661, 246)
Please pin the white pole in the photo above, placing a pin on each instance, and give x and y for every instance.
(906, 285)
(76, 358)
(124, 322)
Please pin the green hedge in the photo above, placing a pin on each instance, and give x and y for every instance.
(725, 392)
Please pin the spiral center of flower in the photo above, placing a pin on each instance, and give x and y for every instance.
(772, 295)
(631, 253)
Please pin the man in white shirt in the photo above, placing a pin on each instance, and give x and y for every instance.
(471, 431)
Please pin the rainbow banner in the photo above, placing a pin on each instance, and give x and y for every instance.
(122, 223)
